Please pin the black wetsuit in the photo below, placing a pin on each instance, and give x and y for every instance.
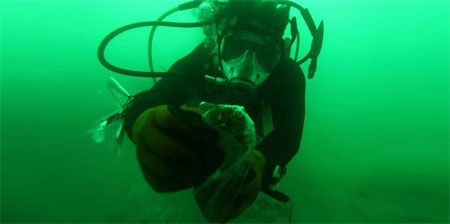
(283, 92)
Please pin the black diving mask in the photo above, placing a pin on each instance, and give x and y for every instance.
(236, 43)
(248, 57)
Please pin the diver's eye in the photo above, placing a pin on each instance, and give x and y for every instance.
(232, 48)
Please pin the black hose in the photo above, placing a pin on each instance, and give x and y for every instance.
(152, 35)
(112, 35)
(297, 34)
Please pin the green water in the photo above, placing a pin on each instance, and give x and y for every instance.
(376, 140)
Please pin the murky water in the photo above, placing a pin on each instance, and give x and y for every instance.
(375, 146)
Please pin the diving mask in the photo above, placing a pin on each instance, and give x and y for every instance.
(248, 57)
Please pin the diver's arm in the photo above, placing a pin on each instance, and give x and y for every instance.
(288, 112)
(172, 89)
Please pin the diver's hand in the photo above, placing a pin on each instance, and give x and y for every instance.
(248, 193)
(167, 165)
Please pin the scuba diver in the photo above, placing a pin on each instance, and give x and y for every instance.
(244, 60)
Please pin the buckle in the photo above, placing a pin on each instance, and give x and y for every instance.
(277, 174)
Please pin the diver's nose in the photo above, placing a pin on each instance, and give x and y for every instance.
(247, 65)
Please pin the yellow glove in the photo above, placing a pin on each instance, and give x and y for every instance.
(167, 165)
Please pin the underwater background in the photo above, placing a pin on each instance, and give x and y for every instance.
(375, 145)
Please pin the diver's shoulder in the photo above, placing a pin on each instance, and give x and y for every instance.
(200, 51)
(291, 64)
(289, 68)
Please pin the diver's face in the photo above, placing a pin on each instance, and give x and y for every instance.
(248, 58)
